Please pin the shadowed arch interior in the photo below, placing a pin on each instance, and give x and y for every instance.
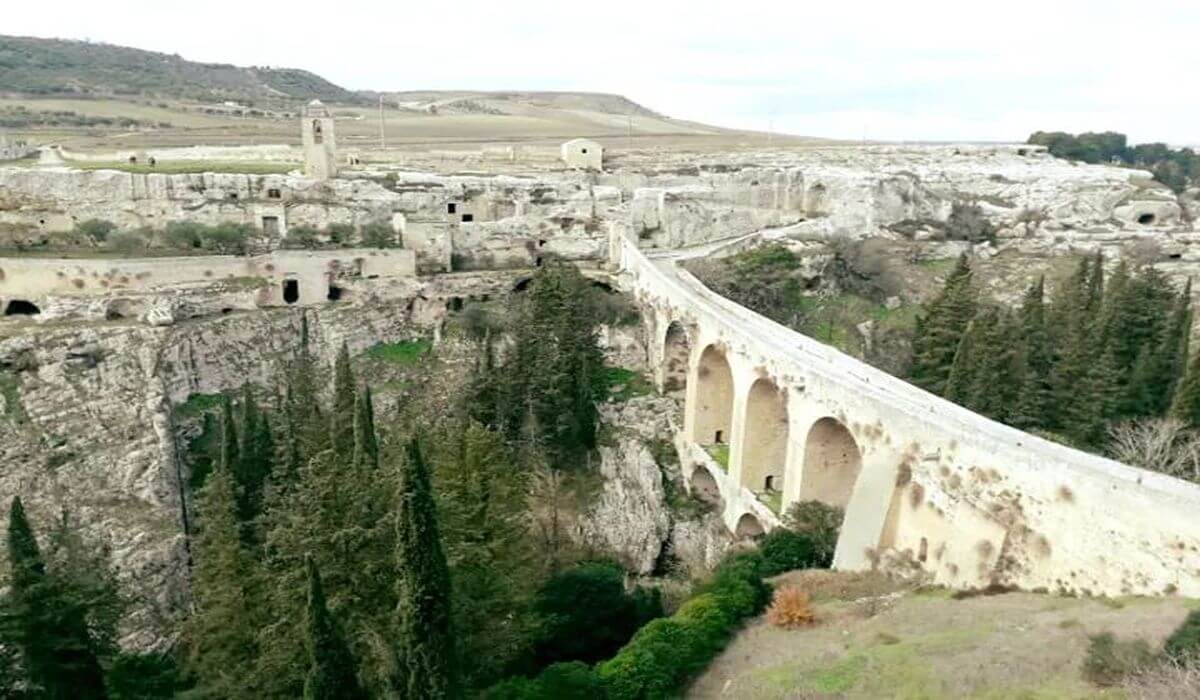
(676, 351)
(764, 453)
(713, 398)
(704, 486)
(832, 462)
(748, 526)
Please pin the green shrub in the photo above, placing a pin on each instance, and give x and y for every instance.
(340, 234)
(785, 550)
(654, 663)
(587, 614)
(302, 237)
(96, 229)
(968, 223)
(1109, 660)
(142, 676)
(224, 239)
(738, 582)
(378, 234)
(822, 523)
(126, 241)
(1184, 642)
(565, 681)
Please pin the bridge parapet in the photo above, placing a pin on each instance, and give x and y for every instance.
(924, 482)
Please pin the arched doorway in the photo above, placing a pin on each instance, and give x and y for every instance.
(764, 454)
(676, 351)
(832, 462)
(21, 307)
(748, 526)
(713, 409)
(704, 486)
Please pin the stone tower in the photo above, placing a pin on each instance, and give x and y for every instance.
(320, 149)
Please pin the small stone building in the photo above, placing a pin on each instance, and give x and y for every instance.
(584, 154)
(320, 148)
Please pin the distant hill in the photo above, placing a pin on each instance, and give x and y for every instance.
(516, 102)
(58, 66)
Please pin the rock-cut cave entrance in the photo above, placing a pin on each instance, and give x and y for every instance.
(291, 291)
(21, 307)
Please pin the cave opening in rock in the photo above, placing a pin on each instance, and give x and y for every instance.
(1146, 219)
(335, 293)
(291, 291)
(21, 307)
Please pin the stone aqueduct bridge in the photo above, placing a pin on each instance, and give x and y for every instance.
(923, 481)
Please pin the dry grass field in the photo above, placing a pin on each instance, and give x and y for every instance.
(877, 639)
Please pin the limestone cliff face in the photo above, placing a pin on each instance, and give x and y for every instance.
(86, 426)
(641, 515)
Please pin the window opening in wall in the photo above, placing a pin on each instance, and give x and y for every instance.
(468, 218)
(585, 150)
(233, 195)
(455, 304)
(318, 137)
(769, 483)
(335, 293)
(274, 193)
(452, 208)
(291, 291)
(270, 225)
(923, 552)
(719, 437)
(538, 261)
(21, 307)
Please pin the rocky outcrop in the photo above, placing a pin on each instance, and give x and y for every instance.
(642, 514)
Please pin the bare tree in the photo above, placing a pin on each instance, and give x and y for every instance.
(1163, 445)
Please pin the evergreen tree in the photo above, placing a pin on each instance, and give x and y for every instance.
(997, 381)
(46, 621)
(221, 630)
(366, 442)
(304, 407)
(1186, 405)
(425, 651)
(228, 456)
(342, 416)
(939, 330)
(483, 509)
(257, 458)
(1036, 358)
(960, 382)
(331, 668)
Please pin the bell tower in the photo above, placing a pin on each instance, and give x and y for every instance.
(320, 148)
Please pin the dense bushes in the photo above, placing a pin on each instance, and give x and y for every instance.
(588, 615)
(1109, 660)
(785, 550)
(1184, 642)
(224, 239)
(807, 540)
(1175, 168)
(665, 653)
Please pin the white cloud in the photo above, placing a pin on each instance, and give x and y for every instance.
(925, 69)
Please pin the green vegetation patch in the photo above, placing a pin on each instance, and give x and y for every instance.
(720, 453)
(406, 352)
(197, 405)
(11, 392)
(624, 384)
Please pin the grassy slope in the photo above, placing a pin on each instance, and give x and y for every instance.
(928, 645)
(53, 66)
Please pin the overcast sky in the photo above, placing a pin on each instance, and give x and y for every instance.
(915, 70)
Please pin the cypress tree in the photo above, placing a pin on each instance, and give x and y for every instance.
(997, 381)
(47, 622)
(366, 443)
(331, 670)
(961, 380)
(940, 329)
(1186, 406)
(257, 459)
(222, 626)
(304, 408)
(1036, 360)
(342, 416)
(229, 454)
(425, 644)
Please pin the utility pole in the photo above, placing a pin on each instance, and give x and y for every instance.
(382, 138)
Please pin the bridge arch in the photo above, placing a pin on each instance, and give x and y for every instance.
(832, 462)
(705, 487)
(677, 351)
(711, 399)
(765, 437)
(748, 526)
